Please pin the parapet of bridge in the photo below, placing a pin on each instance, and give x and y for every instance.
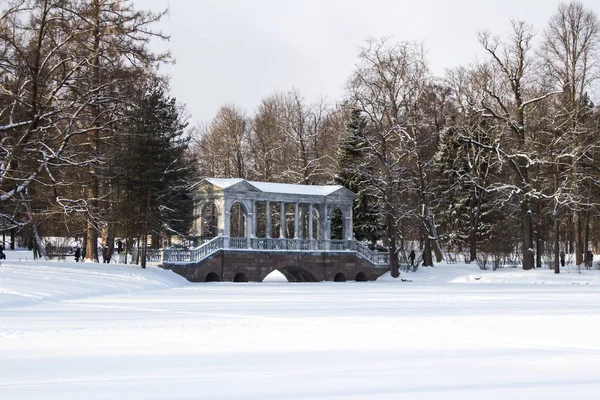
(250, 229)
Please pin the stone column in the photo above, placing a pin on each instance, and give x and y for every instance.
(302, 222)
(224, 220)
(199, 223)
(296, 221)
(310, 221)
(348, 233)
(282, 221)
(268, 220)
(327, 230)
(323, 223)
(310, 226)
(250, 223)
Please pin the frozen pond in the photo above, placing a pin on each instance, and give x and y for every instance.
(107, 332)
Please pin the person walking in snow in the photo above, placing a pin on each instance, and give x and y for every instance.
(2, 255)
(412, 258)
(77, 254)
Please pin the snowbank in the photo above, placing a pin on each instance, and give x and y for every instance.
(29, 282)
(471, 274)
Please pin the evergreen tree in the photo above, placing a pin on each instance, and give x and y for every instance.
(353, 174)
(156, 171)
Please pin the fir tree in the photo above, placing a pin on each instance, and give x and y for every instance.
(156, 171)
(353, 174)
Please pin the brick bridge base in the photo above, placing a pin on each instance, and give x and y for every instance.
(254, 266)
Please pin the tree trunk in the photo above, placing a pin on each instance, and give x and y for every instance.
(569, 232)
(145, 237)
(137, 248)
(126, 244)
(578, 238)
(474, 223)
(527, 221)
(557, 240)
(391, 232)
(91, 246)
(538, 239)
(427, 258)
(586, 240)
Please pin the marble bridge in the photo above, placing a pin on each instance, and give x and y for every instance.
(251, 229)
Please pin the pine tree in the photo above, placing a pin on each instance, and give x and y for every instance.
(353, 174)
(156, 171)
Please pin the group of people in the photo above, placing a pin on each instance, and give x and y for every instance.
(107, 252)
(588, 259)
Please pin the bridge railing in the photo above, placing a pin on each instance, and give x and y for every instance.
(194, 254)
(238, 243)
(283, 244)
(376, 257)
(273, 244)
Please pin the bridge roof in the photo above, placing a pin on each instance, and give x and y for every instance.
(281, 188)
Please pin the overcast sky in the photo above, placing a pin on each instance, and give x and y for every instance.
(240, 51)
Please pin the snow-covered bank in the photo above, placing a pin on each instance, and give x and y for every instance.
(470, 273)
(24, 283)
(108, 332)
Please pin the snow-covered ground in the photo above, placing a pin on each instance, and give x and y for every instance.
(94, 331)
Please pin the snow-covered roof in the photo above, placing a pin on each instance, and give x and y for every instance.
(288, 188)
(277, 188)
(224, 183)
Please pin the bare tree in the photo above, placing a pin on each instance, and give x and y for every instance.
(222, 145)
(266, 143)
(387, 84)
(510, 96)
(571, 61)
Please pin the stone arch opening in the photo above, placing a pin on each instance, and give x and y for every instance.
(275, 276)
(361, 277)
(212, 277)
(209, 217)
(337, 224)
(238, 220)
(296, 274)
(290, 221)
(308, 222)
(240, 277)
(339, 277)
(260, 209)
(316, 223)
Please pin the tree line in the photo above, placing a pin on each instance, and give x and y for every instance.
(91, 143)
(498, 155)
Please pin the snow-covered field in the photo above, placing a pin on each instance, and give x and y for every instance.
(93, 331)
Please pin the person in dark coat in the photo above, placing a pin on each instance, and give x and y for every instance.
(106, 254)
(2, 255)
(412, 257)
(589, 259)
(562, 258)
(77, 254)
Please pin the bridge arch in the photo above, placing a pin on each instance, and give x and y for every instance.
(209, 220)
(339, 277)
(361, 277)
(240, 277)
(293, 274)
(238, 219)
(336, 216)
(212, 277)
